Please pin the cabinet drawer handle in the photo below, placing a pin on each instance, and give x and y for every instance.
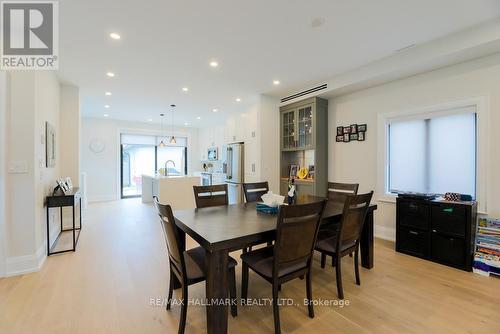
(448, 210)
(434, 231)
(413, 232)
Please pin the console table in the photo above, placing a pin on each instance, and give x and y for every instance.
(59, 200)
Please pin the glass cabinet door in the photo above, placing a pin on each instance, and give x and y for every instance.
(305, 126)
(288, 123)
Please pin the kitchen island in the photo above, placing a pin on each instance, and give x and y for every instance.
(175, 190)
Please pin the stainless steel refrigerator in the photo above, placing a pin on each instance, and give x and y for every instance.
(235, 171)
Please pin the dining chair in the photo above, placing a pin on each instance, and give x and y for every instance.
(337, 194)
(188, 266)
(207, 196)
(347, 240)
(291, 255)
(254, 191)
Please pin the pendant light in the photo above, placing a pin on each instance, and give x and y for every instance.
(172, 140)
(162, 143)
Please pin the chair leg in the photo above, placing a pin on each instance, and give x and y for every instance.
(276, 312)
(182, 323)
(170, 290)
(244, 281)
(323, 260)
(309, 294)
(232, 292)
(333, 261)
(356, 267)
(338, 270)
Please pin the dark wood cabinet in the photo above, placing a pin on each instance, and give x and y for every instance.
(439, 231)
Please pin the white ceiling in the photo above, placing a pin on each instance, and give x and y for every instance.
(167, 45)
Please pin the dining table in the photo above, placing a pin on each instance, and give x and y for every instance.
(224, 229)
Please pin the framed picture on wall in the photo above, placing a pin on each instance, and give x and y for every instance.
(347, 138)
(340, 138)
(354, 128)
(353, 136)
(50, 145)
(340, 130)
(361, 136)
(362, 128)
(347, 129)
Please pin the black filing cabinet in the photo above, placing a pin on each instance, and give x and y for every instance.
(439, 231)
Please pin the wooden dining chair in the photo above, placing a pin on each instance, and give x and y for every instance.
(291, 255)
(254, 191)
(207, 196)
(338, 192)
(347, 240)
(188, 266)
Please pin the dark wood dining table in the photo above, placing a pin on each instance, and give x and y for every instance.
(223, 229)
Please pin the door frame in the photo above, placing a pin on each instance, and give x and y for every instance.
(4, 103)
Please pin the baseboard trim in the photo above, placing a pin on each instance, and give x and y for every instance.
(101, 198)
(386, 233)
(26, 264)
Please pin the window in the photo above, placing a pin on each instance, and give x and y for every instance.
(140, 154)
(434, 154)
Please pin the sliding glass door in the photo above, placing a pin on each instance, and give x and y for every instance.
(142, 155)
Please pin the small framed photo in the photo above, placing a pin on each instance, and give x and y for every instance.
(310, 174)
(340, 138)
(361, 136)
(347, 138)
(69, 183)
(340, 130)
(362, 128)
(354, 128)
(293, 170)
(353, 136)
(347, 129)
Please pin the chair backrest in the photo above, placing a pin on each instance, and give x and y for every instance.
(254, 191)
(296, 234)
(206, 196)
(338, 192)
(171, 234)
(353, 218)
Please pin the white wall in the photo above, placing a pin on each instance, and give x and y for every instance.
(357, 162)
(103, 169)
(70, 129)
(34, 99)
(3, 176)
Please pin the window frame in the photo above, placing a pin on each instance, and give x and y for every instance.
(482, 106)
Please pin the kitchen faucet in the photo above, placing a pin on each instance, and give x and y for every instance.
(166, 166)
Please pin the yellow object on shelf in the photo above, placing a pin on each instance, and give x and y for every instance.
(302, 174)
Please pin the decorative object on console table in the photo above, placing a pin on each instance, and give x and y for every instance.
(436, 230)
(59, 200)
(487, 255)
(293, 171)
(50, 145)
(310, 175)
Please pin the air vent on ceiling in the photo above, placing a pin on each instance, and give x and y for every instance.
(305, 92)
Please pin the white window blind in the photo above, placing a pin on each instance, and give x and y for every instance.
(434, 154)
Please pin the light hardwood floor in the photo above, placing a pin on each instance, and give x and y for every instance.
(121, 263)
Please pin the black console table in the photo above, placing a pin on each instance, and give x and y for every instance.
(59, 200)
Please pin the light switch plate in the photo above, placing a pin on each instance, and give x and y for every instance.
(18, 167)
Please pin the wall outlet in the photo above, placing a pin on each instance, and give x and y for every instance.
(18, 167)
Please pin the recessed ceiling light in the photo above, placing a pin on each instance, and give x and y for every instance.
(186, 124)
(238, 99)
(276, 82)
(110, 74)
(213, 63)
(106, 115)
(185, 89)
(107, 106)
(215, 110)
(150, 119)
(114, 35)
(198, 117)
(107, 93)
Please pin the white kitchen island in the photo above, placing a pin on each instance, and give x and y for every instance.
(176, 191)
